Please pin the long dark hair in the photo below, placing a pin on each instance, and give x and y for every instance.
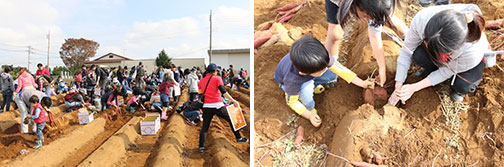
(447, 30)
(379, 11)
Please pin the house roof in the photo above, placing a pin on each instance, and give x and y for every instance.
(112, 54)
(217, 51)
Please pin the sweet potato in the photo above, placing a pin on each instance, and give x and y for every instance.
(287, 7)
(494, 24)
(285, 18)
(368, 96)
(265, 25)
(292, 11)
(299, 137)
(380, 93)
(259, 41)
(274, 38)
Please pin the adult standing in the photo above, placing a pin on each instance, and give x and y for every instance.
(7, 88)
(192, 84)
(26, 89)
(212, 88)
(139, 74)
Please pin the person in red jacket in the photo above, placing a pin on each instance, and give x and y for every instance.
(212, 88)
(41, 70)
(38, 115)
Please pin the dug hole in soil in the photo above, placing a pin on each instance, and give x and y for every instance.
(414, 134)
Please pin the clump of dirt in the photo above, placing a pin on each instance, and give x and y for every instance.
(362, 128)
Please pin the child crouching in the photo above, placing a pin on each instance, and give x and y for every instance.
(38, 115)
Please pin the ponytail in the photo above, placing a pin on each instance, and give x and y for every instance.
(475, 25)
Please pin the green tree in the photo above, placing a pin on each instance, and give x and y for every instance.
(58, 69)
(75, 51)
(163, 60)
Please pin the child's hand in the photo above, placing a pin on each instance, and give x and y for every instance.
(315, 120)
(369, 83)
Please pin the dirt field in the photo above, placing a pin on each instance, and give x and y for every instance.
(420, 134)
(119, 143)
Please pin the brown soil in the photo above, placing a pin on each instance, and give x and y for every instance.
(238, 95)
(422, 111)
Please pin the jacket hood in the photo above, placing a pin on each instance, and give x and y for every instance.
(4, 75)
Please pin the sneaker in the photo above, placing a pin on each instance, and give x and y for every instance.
(443, 2)
(132, 110)
(319, 89)
(201, 149)
(39, 144)
(191, 123)
(426, 3)
(456, 97)
(242, 140)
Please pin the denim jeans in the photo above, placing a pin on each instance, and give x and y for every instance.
(23, 110)
(306, 92)
(72, 104)
(39, 134)
(191, 114)
(165, 99)
(7, 98)
(48, 91)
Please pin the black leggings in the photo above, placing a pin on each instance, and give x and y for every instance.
(421, 58)
(208, 114)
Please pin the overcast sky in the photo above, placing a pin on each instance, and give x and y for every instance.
(136, 29)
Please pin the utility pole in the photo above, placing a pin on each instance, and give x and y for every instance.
(210, 53)
(29, 52)
(48, 46)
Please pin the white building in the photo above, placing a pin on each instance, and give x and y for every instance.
(239, 58)
(114, 60)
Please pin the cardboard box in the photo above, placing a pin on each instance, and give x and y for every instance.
(85, 117)
(150, 125)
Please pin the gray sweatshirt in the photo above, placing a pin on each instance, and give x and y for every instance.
(192, 82)
(463, 59)
(6, 82)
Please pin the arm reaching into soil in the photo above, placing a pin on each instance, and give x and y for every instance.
(377, 46)
(350, 76)
(407, 90)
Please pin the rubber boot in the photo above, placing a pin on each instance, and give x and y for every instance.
(163, 115)
(39, 144)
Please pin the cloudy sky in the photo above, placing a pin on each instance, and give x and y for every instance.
(136, 29)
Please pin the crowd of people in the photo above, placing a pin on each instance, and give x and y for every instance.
(97, 89)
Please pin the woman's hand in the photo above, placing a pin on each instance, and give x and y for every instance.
(393, 97)
(406, 92)
(236, 104)
(382, 77)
